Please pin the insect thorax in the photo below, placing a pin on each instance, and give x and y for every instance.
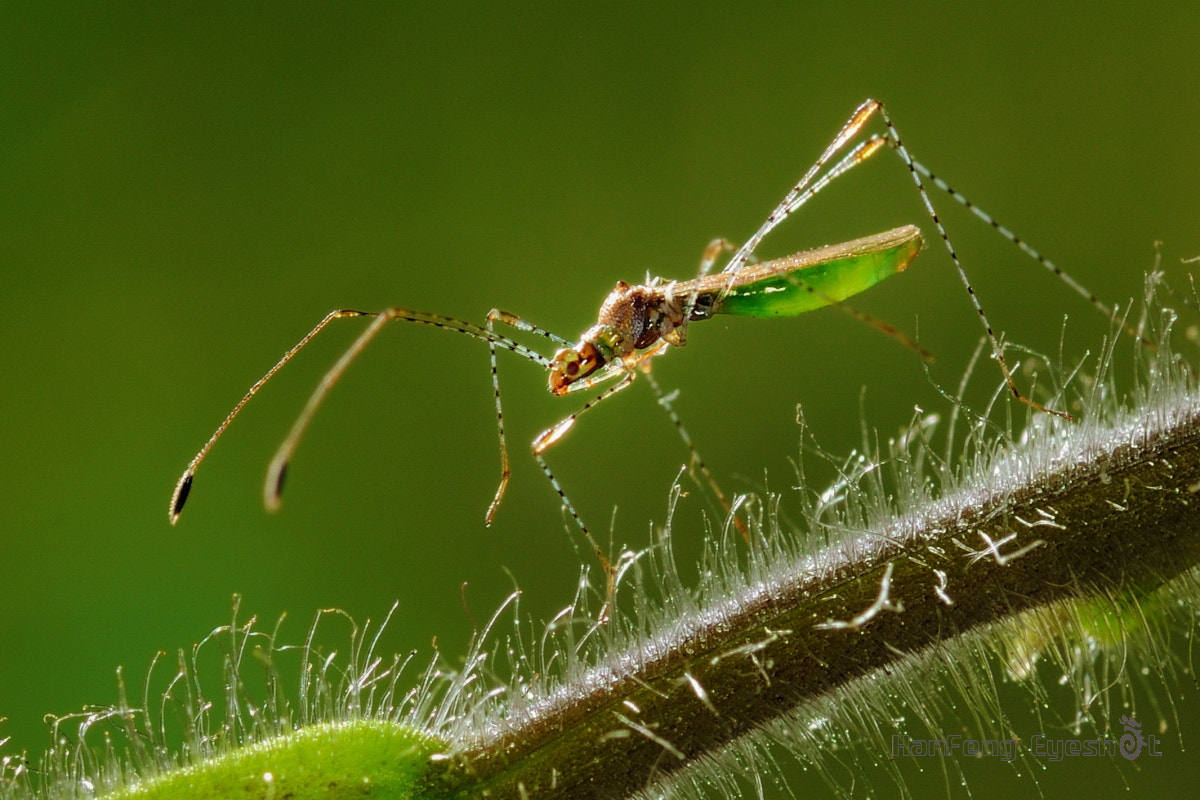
(636, 317)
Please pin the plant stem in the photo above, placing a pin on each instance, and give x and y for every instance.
(1097, 513)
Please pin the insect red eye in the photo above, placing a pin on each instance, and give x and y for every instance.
(572, 368)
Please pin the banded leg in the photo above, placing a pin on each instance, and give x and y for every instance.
(1029, 250)
(810, 184)
(806, 188)
(800, 194)
(546, 440)
(801, 191)
(513, 321)
(997, 350)
(695, 460)
(550, 437)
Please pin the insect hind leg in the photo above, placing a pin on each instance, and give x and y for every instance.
(1027, 248)
(997, 349)
(813, 180)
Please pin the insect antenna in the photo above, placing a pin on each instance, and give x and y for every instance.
(278, 468)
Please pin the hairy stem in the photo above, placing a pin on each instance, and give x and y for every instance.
(1105, 512)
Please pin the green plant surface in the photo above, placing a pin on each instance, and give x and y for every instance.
(363, 758)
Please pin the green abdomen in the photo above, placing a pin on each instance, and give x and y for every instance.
(815, 278)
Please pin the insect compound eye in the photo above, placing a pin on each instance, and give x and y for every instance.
(564, 369)
(569, 365)
(568, 362)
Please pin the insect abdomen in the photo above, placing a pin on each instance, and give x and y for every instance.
(815, 278)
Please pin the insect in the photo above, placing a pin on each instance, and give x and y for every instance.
(638, 323)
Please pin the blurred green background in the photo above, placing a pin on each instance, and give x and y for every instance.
(187, 188)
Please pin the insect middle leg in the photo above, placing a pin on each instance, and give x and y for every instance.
(551, 436)
(695, 460)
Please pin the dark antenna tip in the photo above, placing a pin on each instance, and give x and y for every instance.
(275, 483)
(182, 489)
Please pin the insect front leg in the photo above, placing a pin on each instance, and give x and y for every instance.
(513, 321)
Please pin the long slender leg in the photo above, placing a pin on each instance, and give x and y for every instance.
(277, 470)
(997, 350)
(869, 147)
(796, 197)
(792, 201)
(610, 572)
(505, 470)
(678, 339)
(886, 328)
(279, 464)
(1029, 250)
(550, 437)
(799, 194)
(806, 188)
(547, 439)
(712, 253)
(184, 485)
(512, 320)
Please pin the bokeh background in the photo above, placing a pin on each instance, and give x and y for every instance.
(186, 188)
